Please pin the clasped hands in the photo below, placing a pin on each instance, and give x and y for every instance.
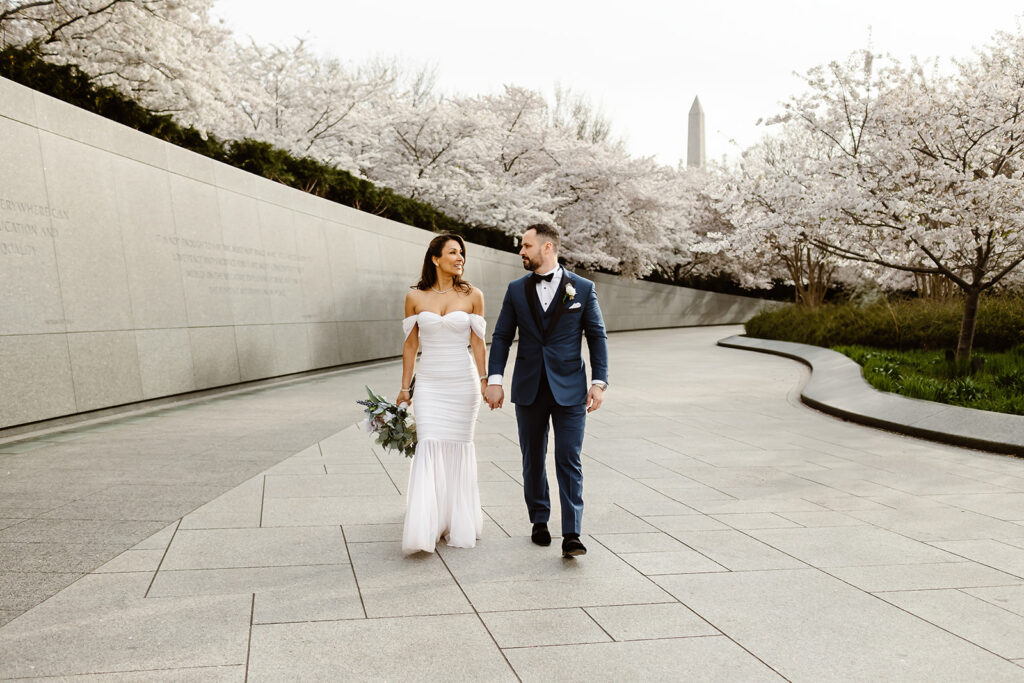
(494, 396)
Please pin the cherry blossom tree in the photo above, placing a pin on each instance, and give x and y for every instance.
(509, 187)
(926, 169)
(310, 105)
(575, 112)
(169, 55)
(694, 249)
(771, 205)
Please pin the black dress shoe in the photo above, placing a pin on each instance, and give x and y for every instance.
(572, 547)
(541, 535)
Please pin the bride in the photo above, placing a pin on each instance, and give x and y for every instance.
(444, 314)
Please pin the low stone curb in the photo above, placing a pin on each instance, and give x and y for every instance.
(837, 387)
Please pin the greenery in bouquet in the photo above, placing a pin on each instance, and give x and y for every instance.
(393, 425)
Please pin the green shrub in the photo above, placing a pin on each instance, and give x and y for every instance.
(998, 385)
(902, 325)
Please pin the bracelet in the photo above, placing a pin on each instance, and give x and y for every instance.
(405, 389)
(483, 378)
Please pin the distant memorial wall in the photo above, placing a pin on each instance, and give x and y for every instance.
(132, 269)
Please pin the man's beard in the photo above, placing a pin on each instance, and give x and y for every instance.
(530, 264)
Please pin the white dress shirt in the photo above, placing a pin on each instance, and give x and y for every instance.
(546, 290)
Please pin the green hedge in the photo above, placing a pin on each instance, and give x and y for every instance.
(71, 85)
(903, 324)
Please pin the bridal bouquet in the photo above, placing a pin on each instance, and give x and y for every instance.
(392, 424)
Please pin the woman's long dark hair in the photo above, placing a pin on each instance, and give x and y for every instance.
(428, 278)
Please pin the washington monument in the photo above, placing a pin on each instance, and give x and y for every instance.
(695, 140)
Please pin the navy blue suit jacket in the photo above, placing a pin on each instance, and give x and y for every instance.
(560, 347)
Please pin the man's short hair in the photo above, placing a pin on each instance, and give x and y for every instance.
(546, 233)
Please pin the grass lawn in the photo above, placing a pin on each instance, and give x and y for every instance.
(998, 386)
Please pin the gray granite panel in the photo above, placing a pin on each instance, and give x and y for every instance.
(199, 247)
(105, 367)
(236, 548)
(984, 624)
(30, 296)
(257, 352)
(238, 181)
(708, 659)
(812, 627)
(103, 624)
(19, 102)
(291, 348)
(188, 164)
(448, 648)
(324, 345)
(90, 252)
(165, 362)
(325, 593)
(151, 255)
(132, 144)
(850, 546)
(340, 241)
(248, 580)
(35, 371)
(535, 628)
(59, 118)
(284, 264)
(640, 622)
(214, 356)
(315, 274)
(246, 269)
(21, 590)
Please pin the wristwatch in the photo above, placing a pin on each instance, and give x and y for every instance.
(599, 383)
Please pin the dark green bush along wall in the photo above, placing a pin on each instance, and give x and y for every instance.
(904, 325)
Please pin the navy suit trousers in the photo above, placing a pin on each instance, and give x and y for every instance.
(569, 422)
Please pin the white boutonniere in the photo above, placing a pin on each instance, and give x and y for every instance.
(570, 293)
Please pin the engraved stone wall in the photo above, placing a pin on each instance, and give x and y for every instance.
(131, 269)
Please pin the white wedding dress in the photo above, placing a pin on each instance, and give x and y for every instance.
(443, 497)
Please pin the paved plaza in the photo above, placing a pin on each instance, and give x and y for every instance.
(734, 535)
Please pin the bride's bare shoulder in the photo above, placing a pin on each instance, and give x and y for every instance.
(476, 297)
(412, 302)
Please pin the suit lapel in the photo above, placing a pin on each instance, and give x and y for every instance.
(530, 290)
(557, 302)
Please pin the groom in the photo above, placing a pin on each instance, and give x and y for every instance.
(552, 309)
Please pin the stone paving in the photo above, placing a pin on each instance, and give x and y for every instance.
(74, 499)
(734, 534)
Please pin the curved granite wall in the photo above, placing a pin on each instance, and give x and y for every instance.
(131, 269)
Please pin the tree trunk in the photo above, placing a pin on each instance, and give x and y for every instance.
(811, 277)
(967, 325)
(933, 286)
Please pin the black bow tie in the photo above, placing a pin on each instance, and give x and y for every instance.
(546, 278)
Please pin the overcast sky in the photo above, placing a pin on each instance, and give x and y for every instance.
(643, 61)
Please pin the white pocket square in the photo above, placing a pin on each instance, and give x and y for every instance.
(575, 305)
